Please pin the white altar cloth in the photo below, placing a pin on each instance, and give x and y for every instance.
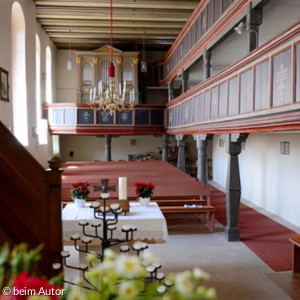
(150, 222)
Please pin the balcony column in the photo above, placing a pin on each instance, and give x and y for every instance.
(107, 147)
(206, 63)
(254, 19)
(181, 152)
(201, 157)
(184, 80)
(233, 186)
(165, 144)
(170, 90)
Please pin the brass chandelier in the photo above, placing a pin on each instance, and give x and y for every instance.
(112, 99)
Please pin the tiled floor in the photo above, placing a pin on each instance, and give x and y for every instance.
(236, 272)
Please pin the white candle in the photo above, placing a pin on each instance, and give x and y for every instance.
(123, 188)
(95, 204)
(91, 94)
(65, 253)
(86, 240)
(126, 227)
(160, 276)
(75, 236)
(56, 266)
(150, 269)
(94, 92)
(124, 248)
(114, 206)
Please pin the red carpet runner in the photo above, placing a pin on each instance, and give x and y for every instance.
(268, 239)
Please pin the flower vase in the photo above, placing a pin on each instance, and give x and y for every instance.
(144, 201)
(79, 202)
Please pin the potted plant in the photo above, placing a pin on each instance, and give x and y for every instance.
(80, 192)
(143, 192)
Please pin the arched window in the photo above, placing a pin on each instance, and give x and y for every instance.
(41, 124)
(19, 91)
(48, 75)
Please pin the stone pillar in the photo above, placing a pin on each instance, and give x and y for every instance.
(184, 79)
(181, 152)
(233, 186)
(170, 91)
(254, 19)
(206, 63)
(107, 149)
(201, 143)
(165, 144)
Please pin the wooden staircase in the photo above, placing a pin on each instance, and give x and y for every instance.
(30, 201)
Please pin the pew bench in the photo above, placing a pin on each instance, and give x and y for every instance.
(295, 239)
(178, 202)
(207, 211)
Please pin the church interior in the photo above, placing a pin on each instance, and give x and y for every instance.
(195, 104)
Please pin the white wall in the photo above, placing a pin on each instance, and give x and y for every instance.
(92, 148)
(66, 80)
(269, 179)
(40, 152)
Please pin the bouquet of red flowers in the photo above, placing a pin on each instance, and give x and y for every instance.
(144, 190)
(80, 190)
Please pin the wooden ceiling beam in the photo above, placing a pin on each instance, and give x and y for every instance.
(141, 4)
(128, 30)
(100, 23)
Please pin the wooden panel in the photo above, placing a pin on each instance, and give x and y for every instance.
(207, 105)
(262, 84)
(282, 78)
(57, 116)
(157, 117)
(297, 73)
(246, 92)
(225, 4)
(209, 14)
(223, 99)
(233, 97)
(217, 9)
(124, 117)
(214, 102)
(141, 117)
(85, 116)
(70, 116)
(104, 117)
(200, 107)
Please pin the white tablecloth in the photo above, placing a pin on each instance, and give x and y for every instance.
(150, 222)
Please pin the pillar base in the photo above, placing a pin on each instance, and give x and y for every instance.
(232, 234)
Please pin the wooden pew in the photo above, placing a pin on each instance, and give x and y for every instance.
(295, 239)
(176, 202)
(206, 210)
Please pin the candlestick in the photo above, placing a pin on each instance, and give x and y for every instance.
(123, 188)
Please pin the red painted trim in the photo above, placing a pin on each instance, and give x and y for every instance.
(254, 55)
(277, 122)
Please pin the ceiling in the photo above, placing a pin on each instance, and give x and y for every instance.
(85, 25)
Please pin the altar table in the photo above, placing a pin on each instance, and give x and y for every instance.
(150, 222)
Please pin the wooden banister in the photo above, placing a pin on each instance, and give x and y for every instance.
(30, 201)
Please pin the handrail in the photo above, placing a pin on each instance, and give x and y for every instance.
(30, 201)
(79, 118)
(251, 95)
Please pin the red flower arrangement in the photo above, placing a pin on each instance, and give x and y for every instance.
(80, 190)
(144, 190)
